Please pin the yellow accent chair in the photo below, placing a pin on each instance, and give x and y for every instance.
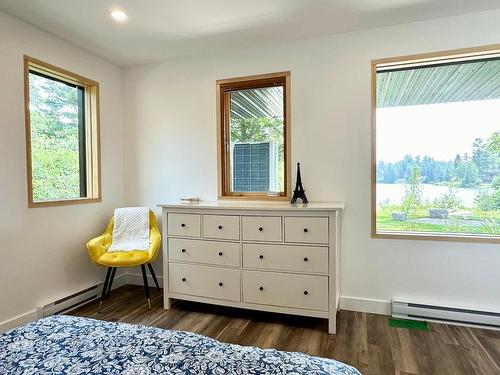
(98, 252)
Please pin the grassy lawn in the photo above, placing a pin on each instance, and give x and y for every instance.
(490, 222)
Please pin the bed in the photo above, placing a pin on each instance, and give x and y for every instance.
(72, 345)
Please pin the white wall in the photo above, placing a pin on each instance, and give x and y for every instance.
(170, 151)
(169, 114)
(42, 250)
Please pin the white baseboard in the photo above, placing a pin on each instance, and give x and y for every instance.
(367, 305)
(32, 315)
(19, 320)
(120, 280)
(136, 279)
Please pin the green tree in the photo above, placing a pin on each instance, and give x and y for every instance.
(495, 184)
(381, 171)
(493, 147)
(479, 154)
(262, 129)
(488, 201)
(385, 172)
(428, 169)
(468, 174)
(257, 129)
(54, 139)
(412, 199)
(448, 200)
(494, 143)
(483, 157)
(389, 173)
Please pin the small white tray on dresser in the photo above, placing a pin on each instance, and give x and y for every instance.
(267, 256)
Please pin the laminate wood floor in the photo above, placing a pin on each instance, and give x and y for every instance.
(363, 340)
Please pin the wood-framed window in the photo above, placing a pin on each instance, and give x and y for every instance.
(253, 135)
(62, 135)
(436, 146)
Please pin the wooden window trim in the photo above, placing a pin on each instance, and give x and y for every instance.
(92, 130)
(464, 54)
(223, 172)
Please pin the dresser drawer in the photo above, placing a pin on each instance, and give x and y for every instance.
(306, 229)
(187, 225)
(262, 228)
(287, 290)
(221, 227)
(286, 257)
(199, 251)
(203, 281)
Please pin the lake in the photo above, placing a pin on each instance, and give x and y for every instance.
(394, 193)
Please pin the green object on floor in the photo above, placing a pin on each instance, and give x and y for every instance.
(409, 324)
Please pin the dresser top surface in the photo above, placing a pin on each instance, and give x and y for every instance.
(255, 205)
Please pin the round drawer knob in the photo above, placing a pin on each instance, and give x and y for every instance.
(306, 230)
(306, 292)
(183, 279)
(183, 250)
(220, 227)
(306, 259)
(261, 288)
(261, 256)
(220, 284)
(183, 225)
(261, 229)
(220, 253)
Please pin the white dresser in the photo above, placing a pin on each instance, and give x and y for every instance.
(254, 255)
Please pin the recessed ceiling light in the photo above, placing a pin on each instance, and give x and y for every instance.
(119, 15)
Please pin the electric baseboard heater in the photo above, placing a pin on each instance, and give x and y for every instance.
(70, 302)
(418, 311)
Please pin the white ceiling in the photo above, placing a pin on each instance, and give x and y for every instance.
(162, 29)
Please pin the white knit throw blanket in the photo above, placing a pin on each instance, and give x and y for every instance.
(131, 229)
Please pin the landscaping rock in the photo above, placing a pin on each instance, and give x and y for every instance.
(438, 213)
(399, 216)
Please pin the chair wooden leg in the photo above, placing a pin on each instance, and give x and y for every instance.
(105, 288)
(146, 286)
(154, 276)
(110, 284)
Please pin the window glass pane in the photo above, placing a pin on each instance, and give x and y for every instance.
(257, 140)
(57, 139)
(438, 149)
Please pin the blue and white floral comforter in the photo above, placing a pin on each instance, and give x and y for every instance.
(71, 345)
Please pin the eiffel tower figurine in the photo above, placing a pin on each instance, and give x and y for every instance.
(299, 192)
